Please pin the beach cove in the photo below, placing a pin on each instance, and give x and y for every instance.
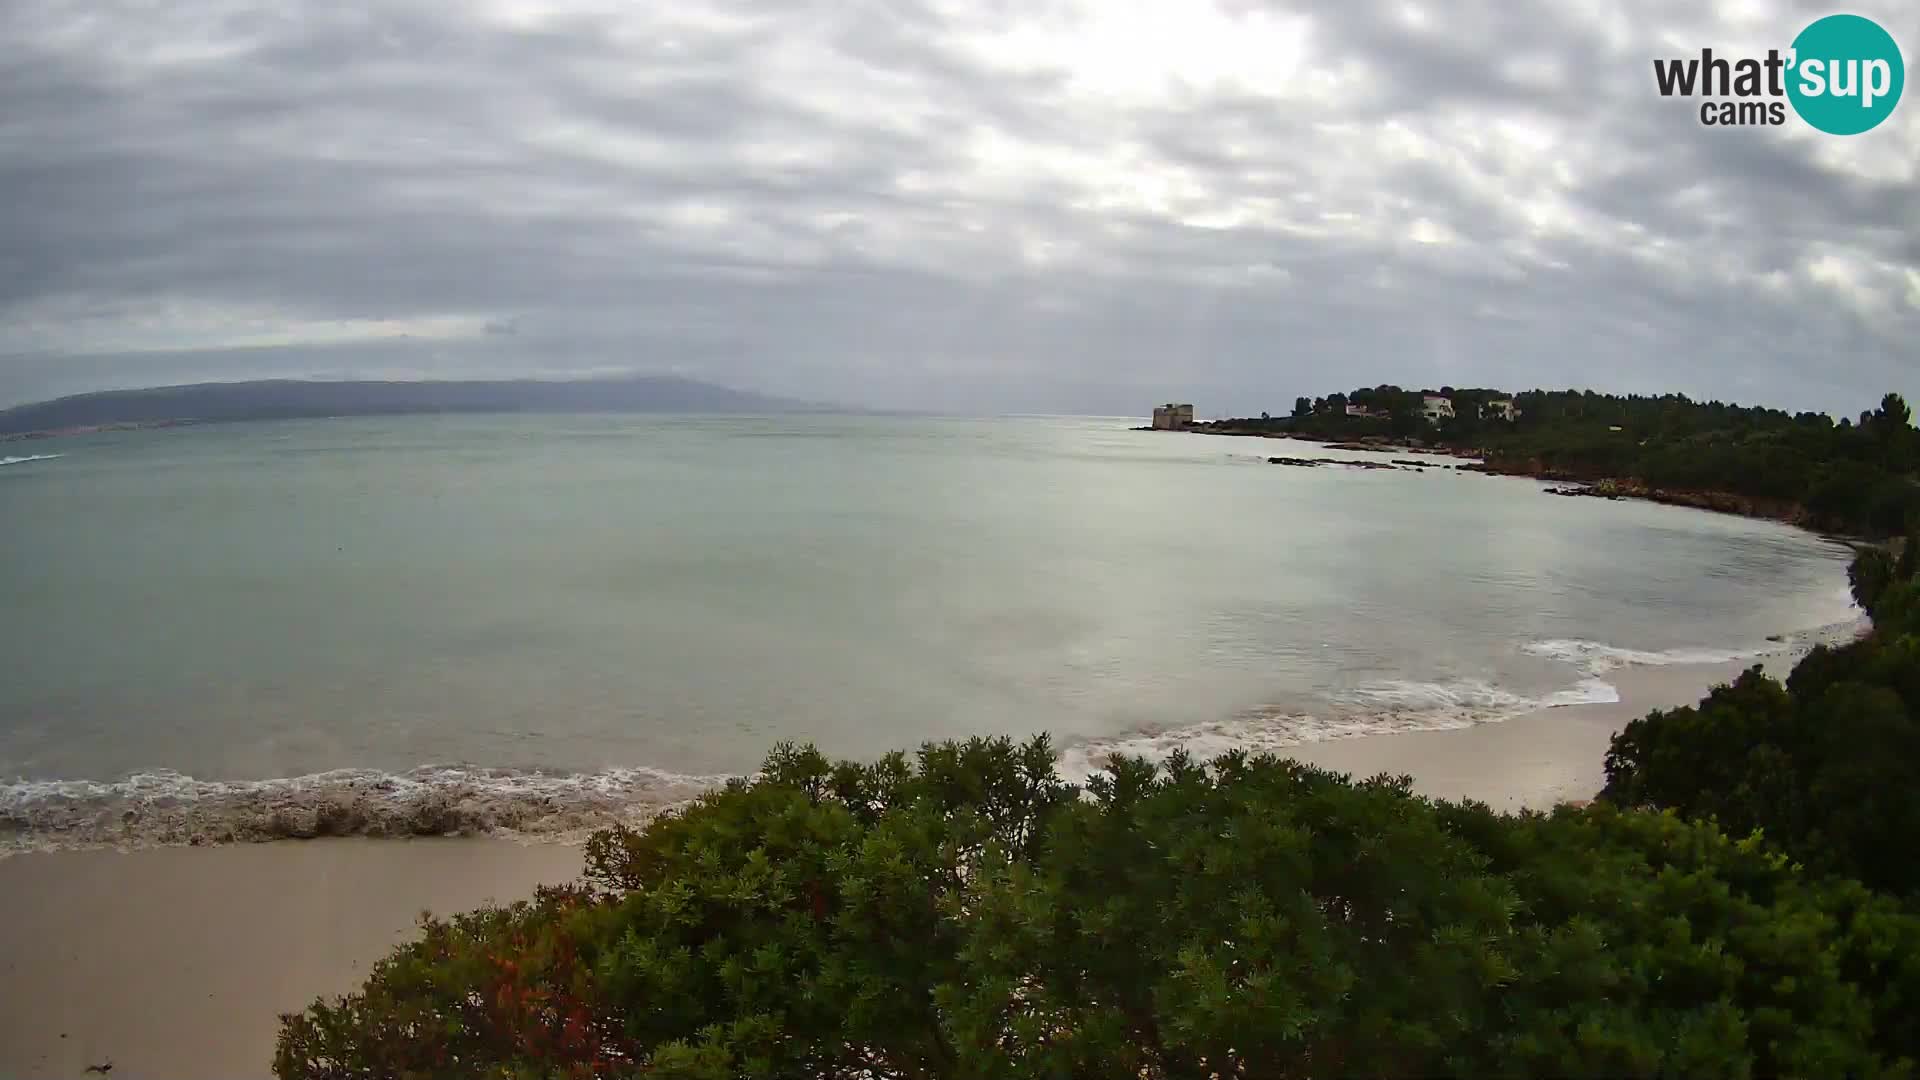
(177, 961)
(468, 666)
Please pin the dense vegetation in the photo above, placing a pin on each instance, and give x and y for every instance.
(1827, 766)
(964, 913)
(1856, 477)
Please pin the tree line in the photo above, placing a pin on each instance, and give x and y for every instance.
(1853, 476)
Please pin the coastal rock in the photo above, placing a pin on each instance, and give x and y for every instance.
(1615, 489)
(1310, 463)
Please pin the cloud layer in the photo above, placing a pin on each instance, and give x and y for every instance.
(941, 204)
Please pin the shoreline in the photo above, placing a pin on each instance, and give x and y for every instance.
(1553, 755)
(1606, 487)
(96, 429)
(178, 960)
(1534, 761)
(161, 809)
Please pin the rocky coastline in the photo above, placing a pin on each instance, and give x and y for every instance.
(1397, 465)
(1791, 513)
(1578, 485)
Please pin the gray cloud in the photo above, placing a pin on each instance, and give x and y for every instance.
(939, 205)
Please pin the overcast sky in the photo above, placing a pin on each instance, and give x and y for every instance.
(973, 205)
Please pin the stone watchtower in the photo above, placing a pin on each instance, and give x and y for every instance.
(1172, 417)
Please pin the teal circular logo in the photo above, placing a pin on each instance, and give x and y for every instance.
(1845, 75)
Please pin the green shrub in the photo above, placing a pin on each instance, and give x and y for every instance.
(966, 914)
(1826, 766)
(1869, 575)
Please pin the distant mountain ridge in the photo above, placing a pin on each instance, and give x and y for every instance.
(288, 399)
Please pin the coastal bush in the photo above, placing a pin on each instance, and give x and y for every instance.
(1869, 575)
(1826, 766)
(964, 912)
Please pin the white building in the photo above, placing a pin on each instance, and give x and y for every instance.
(1499, 408)
(1436, 408)
(1366, 413)
(1172, 417)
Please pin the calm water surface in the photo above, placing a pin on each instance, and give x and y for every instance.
(584, 593)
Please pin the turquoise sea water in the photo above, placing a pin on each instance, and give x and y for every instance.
(549, 605)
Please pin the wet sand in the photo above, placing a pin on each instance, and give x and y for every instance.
(1531, 762)
(176, 962)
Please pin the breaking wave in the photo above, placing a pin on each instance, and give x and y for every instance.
(29, 457)
(163, 807)
(166, 808)
(1386, 707)
(1393, 705)
(1595, 658)
(1598, 658)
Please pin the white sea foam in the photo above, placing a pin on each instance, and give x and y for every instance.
(1598, 658)
(162, 807)
(1390, 706)
(1385, 707)
(1842, 621)
(29, 457)
(1465, 698)
(1585, 692)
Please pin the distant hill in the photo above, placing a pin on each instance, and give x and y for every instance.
(286, 399)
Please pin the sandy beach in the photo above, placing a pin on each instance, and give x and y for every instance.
(175, 962)
(1533, 761)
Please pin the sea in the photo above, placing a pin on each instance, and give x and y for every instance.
(542, 623)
